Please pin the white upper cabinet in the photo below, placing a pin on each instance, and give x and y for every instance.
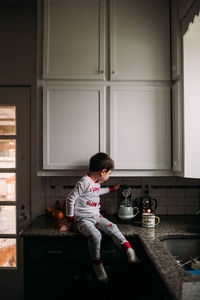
(140, 127)
(79, 45)
(140, 40)
(74, 39)
(73, 125)
(106, 84)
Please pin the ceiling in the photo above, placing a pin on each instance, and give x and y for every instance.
(18, 4)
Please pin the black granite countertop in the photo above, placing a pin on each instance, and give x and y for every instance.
(170, 226)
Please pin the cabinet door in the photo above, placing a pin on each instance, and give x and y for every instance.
(175, 41)
(74, 125)
(140, 127)
(140, 40)
(177, 126)
(74, 39)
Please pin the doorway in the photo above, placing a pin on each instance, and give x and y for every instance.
(14, 186)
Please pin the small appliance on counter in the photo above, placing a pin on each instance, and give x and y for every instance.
(146, 204)
(126, 212)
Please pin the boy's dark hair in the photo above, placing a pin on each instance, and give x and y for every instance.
(101, 161)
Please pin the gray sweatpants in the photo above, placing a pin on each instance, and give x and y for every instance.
(91, 227)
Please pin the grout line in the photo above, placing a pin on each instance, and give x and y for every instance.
(140, 186)
(175, 187)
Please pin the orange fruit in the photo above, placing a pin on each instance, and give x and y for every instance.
(58, 214)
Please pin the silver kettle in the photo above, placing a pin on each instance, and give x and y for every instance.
(126, 211)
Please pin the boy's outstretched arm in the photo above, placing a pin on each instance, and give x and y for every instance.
(117, 186)
(105, 190)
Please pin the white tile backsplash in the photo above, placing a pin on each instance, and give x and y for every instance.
(176, 192)
(162, 210)
(155, 193)
(185, 201)
(177, 210)
(192, 193)
(175, 195)
(164, 201)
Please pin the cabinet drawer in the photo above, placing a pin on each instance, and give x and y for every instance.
(58, 250)
(68, 250)
(110, 252)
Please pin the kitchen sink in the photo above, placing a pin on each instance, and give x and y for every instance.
(184, 249)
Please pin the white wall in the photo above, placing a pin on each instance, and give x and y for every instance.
(191, 46)
(18, 32)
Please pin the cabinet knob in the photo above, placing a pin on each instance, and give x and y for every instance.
(102, 71)
(88, 277)
(113, 72)
(76, 276)
(23, 217)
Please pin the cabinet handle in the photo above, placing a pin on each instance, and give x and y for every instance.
(23, 217)
(76, 276)
(54, 251)
(109, 251)
(88, 277)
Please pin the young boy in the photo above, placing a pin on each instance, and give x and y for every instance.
(83, 209)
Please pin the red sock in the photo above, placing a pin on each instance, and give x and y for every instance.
(125, 246)
(97, 261)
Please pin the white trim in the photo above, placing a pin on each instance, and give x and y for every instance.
(189, 17)
(177, 164)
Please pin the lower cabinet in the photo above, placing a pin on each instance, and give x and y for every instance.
(60, 267)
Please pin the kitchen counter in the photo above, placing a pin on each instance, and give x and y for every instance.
(170, 226)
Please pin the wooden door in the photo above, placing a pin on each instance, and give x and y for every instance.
(14, 186)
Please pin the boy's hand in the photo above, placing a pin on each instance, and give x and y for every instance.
(65, 226)
(117, 187)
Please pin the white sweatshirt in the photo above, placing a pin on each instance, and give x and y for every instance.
(83, 200)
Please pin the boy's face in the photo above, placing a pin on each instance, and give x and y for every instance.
(104, 175)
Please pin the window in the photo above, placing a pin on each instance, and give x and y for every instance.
(7, 186)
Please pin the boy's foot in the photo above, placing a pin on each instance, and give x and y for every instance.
(100, 272)
(132, 258)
